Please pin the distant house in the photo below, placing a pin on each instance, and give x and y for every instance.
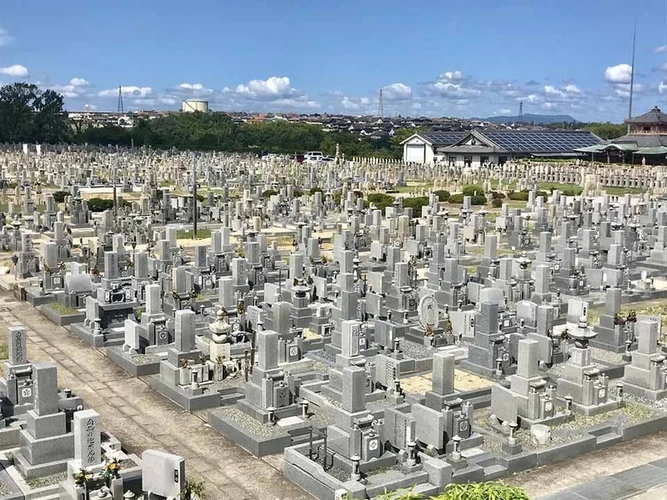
(475, 147)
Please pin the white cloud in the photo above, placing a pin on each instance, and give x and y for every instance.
(5, 38)
(621, 73)
(191, 86)
(454, 90)
(505, 111)
(397, 92)
(271, 88)
(662, 87)
(623, 89)
(131, 91)
(551, 90)
(454, 76)
(661, 49)
(15, 70)
(532, 98)
(549, 105)
(78, 82)
(572, 89)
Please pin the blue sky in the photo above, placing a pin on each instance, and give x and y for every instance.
(431, 57)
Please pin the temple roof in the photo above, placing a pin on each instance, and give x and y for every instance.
(653, 116)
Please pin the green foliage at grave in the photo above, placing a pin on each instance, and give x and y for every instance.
(442, 195)
(416, 204)
(59, 196)
(492, 490)
(482, 491)
(523, 195)
(193, 490)
(99, 204)
(479, 199)
(30, 114)
(380, 200)
(268, 193)
(316, 190)
(496, 203)
(472, 190)
(497, 196)
(456, 199)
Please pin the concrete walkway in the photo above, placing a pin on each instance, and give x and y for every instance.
(143, 419)
(647, 481)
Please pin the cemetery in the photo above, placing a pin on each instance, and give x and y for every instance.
(378, 347)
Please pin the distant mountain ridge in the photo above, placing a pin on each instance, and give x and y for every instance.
(530, 118)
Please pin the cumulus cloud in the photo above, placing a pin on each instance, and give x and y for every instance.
(662, 87)
(73, 89)
(274, 87)
(15, 70)
(5, 38)
(621, 73)
(353, 104)
(661, 49)
(452, 76)
(551, 90)
(131, 91)
(397, 92)
(78, 82)
(572, 89)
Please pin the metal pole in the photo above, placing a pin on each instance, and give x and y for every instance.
(194, 201)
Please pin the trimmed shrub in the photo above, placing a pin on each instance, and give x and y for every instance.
(268, 193)
(496, 203)
(59, 196)
(472, 190)
(442, 194)
(456, 198)
(479, 199)
(416, 205)
(497, 196)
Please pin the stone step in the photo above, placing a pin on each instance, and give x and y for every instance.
(230, 399)
(494, 472)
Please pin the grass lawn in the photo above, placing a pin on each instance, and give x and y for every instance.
(202, 234)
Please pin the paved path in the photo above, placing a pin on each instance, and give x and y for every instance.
(142, 419)
(647, 481)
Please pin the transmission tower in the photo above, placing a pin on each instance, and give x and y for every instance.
(120, 100)
(380, 105)
(521, 112)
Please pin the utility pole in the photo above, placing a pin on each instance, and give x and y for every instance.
(194, 201)
(632, 74)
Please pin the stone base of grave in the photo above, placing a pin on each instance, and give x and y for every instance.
(209, 399)
(35, 296)
(108, 339)
(642, 392)
(30, 471)
(483, 370)
(61, 319)
(257, 437)
(310, 475)
(593, 410)
(559, 418)
(10, 437)
(137, 365)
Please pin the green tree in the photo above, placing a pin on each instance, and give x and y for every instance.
(607, 130)
(28, 114)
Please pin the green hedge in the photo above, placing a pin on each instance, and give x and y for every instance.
(442, 195)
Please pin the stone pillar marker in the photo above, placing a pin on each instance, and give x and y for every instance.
(45, 380)
(353, 394)
(443, 373)
(87, 438)
(185, 330)
(18, 352)
(153, 305)
(527, 358)
(267, 350)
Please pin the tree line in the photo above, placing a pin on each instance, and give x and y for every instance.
(31, 115)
